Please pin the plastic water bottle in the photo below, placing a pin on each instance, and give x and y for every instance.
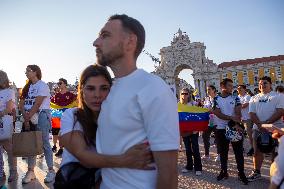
(18, 126)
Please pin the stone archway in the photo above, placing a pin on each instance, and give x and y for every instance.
(183, 54)
(179, 82)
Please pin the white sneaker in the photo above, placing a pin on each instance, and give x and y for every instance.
(198, 173)
(30, 175)
(204, 157)
(50, 176)
(185, 170)
(217, 158)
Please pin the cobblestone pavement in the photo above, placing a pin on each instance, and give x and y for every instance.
(188, 180)
(211, 170)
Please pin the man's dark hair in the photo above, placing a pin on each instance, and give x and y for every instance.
(63, 80)
(134, 26)
(225, 81)
(279, 89)
(266, 78)
(243, 86)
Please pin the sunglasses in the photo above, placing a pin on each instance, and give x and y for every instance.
(184, 93)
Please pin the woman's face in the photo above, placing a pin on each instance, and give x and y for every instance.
(184, 95)
(30, 73)
(95, 92)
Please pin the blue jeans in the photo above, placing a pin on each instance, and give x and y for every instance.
(192, 149)
(44, 125)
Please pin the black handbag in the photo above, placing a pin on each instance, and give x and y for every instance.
(74, 176)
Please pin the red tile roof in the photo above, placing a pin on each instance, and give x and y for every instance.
(251, 61)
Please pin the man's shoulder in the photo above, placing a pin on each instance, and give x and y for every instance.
(150, 76)
(152, 81)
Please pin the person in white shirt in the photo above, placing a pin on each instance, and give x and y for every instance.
(245, 98)
(139, 108)
(267, 107)
(78, 130)
(7, 104)
(35, 107)
(228, 107)
(208, 103)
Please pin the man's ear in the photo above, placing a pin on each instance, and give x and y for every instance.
(131, 42)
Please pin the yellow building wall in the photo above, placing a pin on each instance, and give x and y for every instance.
(261, 72)
(229, 75)
(250, 77)
(282, 69)
(240, 78)
(273, 75)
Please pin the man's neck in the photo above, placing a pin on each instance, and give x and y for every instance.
(265, 92)
(123, 67)
(225, 93)
(243, 94)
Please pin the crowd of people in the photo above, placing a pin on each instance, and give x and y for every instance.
(124, 132)
(246, 114)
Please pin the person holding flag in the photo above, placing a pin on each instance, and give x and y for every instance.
(192, 119)
(61, 101)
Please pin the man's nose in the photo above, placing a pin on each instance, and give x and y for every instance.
(96, 43)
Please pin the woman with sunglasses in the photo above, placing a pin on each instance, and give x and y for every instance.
(78, 133)
(35, 107)
(190, 140)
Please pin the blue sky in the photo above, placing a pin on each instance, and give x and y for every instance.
(58, 35)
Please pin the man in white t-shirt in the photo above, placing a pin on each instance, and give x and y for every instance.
(226, 107)
(267, 107)
(244, 99)
(139, 108)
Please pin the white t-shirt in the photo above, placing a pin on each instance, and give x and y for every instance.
(40, 88)
(67, 126)
(140, 107)
(208, 103)
(5, 96)
(227, 106)
(245, 111)
(264, 105)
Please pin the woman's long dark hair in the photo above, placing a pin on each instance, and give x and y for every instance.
(84, 114)
(26, 88)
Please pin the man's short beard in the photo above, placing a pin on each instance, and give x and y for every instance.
(109, 58)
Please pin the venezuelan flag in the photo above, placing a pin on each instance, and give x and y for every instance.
(57, 111)
(192, 118)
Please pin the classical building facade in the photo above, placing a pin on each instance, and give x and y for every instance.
(184, 54)
(249, 71)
